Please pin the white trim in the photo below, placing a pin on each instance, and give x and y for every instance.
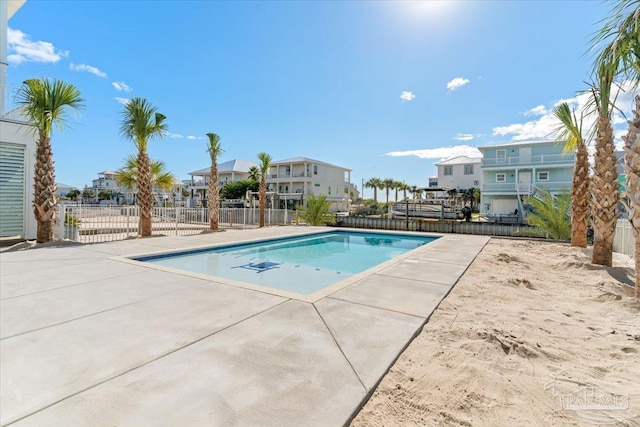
(540, 179)
(504, 177)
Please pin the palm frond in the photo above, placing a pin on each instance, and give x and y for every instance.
(213, 147)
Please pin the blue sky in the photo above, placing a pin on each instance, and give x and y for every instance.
(383, 88)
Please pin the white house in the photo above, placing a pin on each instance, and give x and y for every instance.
(229, 171)
(460, 173)
(293, 179)
(63, 189)
(17, 149)
(106, 181)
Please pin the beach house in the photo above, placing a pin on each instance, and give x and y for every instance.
(293, 179)
(17, 149)
(513, 172)
(459, 173)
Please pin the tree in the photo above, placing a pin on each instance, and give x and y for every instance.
(375, 183)
(106, 195)
(622, 47)
(254, 173)
(388, 184)
(213, 204)
(88, 193)
(141, 122)
(316, 212)
(45, 103)
(400, 186)
(414, 191)
(264, 166)
(73, 194)
(570, 133)
(127, 175)
(550, 214)
(605, 177)
(238, 189)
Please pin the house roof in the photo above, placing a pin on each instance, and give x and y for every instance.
(107, 172)
(517, 144)
(306, 160)
(460, 160)
(235, 165)
(61, 185)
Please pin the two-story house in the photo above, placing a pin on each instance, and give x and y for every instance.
(17, 148)
(512, 172)
(229, 171)
(293, 179)
(459, 173)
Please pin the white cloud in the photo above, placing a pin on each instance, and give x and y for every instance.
(536, 111)
(464, 137)
(174, 135)
(123, 101)
(22, 49)
(180, 136)
(438, 153)
(407, 96)
(456, 83)
(88, 68)
(544, 126)
(121, 86)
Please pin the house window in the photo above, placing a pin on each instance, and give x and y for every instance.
(448, 170)
(468, 169)
(476, 182)
(315, 169)
(501, 156)
(329, 192)
(501, 177)
(543, 176)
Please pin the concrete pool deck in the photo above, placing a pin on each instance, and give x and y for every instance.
(86, 339)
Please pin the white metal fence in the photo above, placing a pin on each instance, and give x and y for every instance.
(93, 224)
(624, 241)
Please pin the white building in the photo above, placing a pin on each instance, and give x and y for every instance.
(17, 149)
(293, 179)
(63, 189)
(460, 173)
(106, 181)
(229, 171)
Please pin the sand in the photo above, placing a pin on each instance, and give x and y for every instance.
(531, 335)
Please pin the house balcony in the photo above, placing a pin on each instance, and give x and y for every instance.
(524, 188)
(542, 160)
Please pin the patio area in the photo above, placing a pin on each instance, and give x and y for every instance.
(87, 339)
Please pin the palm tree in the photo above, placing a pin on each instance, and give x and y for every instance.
(570, 132)
(45, 103)
(316, 212)
(605, 177)
(127, 176)
(622, 47)
(254, 173)
(550, 214)
(374, 183)
(388, 184)
(140, 122)
(414, 191)
(398, 186)
(264, 166)
(213, 204)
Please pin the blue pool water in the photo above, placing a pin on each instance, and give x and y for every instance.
(303, 265)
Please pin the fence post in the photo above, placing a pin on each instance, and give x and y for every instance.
(127, 214)
(177, 212)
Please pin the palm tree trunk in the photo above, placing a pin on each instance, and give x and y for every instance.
(580, 198)
(145, 194)
(44, 194)
(214, 196)
(375, 195)
(632, 161)
(605, 194)
(263, 199)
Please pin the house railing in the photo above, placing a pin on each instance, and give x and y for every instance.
(524, 188)
(93, 224)
(529, 160)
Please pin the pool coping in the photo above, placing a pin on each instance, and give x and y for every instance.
(327, 356)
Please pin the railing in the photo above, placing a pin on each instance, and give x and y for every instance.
(529, 160)
(93, 224)
(525, 188)
(458, 227)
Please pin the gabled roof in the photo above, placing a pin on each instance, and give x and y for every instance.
(107, 172)
(61, 185)
(460, 160)
(517, 144)
(305, 160)
(235, 165)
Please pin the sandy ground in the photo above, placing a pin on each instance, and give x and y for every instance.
(531, 335)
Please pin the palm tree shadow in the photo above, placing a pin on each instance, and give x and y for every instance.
(622, 274)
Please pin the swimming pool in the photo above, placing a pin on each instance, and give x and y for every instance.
(303, 264)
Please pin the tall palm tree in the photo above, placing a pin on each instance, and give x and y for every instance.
(374, 183)
(263, 166)
(213, 204)
(45, 103)
(127, 176)
(570, 132)
(605, 177)
(399, 186)
(414, 191)
(141, 122)
(388, 184)
(622, 47)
